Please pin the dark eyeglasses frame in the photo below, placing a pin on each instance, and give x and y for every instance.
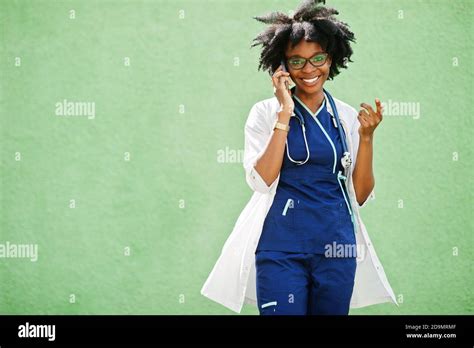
(308, 60)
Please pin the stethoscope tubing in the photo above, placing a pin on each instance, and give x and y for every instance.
(337, 125)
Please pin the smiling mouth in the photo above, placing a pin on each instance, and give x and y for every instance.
(311, 81)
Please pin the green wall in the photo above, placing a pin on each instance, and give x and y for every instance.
(130, 204)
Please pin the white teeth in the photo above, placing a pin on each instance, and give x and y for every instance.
(312, 80)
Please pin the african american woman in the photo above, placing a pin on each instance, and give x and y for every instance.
(300, 247)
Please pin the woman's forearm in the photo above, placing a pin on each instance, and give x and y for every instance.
(363, 176)
(269, 165)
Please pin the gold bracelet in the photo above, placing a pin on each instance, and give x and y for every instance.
(282, 126)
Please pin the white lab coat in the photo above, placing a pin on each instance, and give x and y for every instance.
(232, 281)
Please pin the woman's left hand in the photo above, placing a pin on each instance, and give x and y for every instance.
(369, 119)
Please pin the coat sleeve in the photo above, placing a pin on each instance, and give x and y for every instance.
(258, 133)
(355, 142)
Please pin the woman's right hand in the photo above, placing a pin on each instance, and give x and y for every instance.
(281, 92)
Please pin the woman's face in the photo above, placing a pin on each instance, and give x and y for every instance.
(303, 78)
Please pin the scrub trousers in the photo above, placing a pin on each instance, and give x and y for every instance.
(291, 283)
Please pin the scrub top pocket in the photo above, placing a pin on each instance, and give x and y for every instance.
(314, 221)
(282, 212)
(344, 218)
(279, 225)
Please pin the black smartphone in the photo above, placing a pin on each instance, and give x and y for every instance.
(283, 64)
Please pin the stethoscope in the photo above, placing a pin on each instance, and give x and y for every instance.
(346, 160)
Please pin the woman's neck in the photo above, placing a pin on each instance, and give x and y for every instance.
(312, 101)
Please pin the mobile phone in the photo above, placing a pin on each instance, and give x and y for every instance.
(283, 64)
(287, 83)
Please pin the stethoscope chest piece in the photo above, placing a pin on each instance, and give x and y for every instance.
(346, 160)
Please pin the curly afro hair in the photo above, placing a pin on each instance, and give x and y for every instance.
(310, 21)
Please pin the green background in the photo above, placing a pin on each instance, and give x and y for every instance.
(173, 203)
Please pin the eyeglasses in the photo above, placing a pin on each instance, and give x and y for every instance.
(317, 60)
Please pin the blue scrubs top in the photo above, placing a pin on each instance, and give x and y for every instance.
(309, 210)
